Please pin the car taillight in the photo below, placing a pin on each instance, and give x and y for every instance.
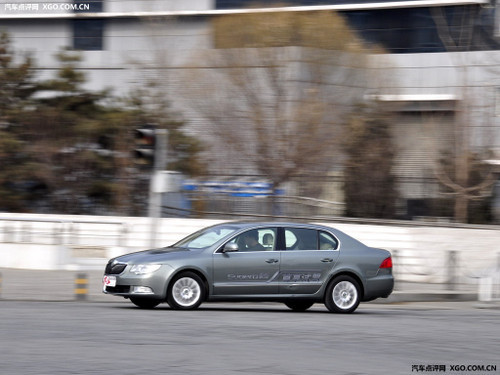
(387, 263)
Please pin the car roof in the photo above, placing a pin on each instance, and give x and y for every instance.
(254, 224)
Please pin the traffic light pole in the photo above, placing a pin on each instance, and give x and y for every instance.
(155, 194)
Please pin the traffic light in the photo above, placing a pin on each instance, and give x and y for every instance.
(144, 148)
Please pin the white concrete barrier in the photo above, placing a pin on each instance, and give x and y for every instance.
(421, 253)
(33, 256)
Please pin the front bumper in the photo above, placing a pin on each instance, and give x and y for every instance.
(128, 284)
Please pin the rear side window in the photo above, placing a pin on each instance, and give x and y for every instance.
(301, 239)
(309, 239)
(327, 241)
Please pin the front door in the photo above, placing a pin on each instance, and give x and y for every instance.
(253, 269)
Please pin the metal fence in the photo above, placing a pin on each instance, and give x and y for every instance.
(306, 196)
(63, 232)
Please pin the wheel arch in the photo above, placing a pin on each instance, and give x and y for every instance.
(199, 273)
(352, 274)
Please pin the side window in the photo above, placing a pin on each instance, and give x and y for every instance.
(88, 34)
(327, 241)
(301, 239)
(290, 239)
(261, 239)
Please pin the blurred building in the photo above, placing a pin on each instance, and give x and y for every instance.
(431, 82)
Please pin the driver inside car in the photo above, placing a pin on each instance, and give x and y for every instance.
(252, 241)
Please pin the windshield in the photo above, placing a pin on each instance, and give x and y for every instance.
(205, 237)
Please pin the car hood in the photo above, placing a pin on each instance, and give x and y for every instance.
(154, 255)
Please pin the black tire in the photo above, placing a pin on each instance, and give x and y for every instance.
(186, 291)
(145, 303)
(343, 295)
(299, 305)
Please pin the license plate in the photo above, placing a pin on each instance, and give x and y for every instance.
(109, 281)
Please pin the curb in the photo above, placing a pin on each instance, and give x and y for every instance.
(444, 296)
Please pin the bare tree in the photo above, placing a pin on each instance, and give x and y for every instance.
(369, 181)
(275, 91)
(457, 35)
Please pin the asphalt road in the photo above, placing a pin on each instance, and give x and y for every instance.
(117, 338)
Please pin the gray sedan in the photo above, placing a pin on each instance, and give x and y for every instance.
(296, 264)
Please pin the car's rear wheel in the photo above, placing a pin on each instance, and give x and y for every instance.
(145, 303)
(299, 305)
(186, 291)
(343, 295)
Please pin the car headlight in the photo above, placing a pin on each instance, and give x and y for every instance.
(142, 269)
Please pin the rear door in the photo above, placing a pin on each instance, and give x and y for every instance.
(306, 260)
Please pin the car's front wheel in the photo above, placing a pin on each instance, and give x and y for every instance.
(342, 295)
(145, 303)
(299, 305)
(186, 292)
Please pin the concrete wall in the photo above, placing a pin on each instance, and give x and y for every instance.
(421, 253)
(470, 77)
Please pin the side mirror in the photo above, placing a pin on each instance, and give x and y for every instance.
(230, 248)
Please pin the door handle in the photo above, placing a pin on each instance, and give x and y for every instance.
(327, 260)
(271, 260)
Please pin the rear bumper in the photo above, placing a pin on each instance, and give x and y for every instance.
(379, 287)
